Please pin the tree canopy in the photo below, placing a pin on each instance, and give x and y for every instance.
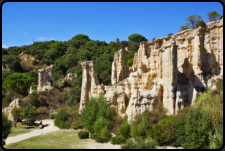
(193, 19)
(212, 16)
(136, 38)
(19, 82)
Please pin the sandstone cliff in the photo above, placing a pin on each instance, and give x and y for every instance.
(171, 70)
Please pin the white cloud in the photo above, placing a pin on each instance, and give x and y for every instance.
(51, 39)
(25, 33)
(4, 46)
(41, 38)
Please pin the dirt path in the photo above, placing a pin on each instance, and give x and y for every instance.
(48, 127)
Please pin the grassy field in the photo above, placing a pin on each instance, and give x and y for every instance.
(20, 129)
(54, 140)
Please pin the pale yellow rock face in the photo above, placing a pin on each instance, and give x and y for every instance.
(119, 70)
(45, 78)
(171, 70)
(14, 104)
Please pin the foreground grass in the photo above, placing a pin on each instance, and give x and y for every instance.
(20, 129)
(54, 140)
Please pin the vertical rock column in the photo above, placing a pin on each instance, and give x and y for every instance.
(89, 84)
(84, 88)
(170, 77)
(40, 79)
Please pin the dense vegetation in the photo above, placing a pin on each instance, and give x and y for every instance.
(197, 126)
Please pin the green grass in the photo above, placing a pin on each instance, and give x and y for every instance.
(20, 129)
(54, 140)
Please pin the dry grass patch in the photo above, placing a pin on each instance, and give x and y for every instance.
(55, 140)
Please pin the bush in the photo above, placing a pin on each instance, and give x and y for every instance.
(9, 96)
(216, 140)
(77, 124)
(140, 143)
(125, 130)
(140, 130)
(61, 119)
(118, 139)
(92, 136)
(34, 62)
(52, 116)
(34, 99)
(103, 136)
(6, 127)
(29, 113)
(83, 134)
(197, 129)
(97, 114)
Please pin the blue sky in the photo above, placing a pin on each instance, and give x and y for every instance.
(22, 21)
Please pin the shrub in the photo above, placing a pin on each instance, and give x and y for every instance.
(125, 130)
(92, 136)
(34, 62)
(83, 134)
(140, 143)
(42, 110)
(9, 96)
(77, 124)
(6, 127)
(197, 129)
(103, 136)
(74, 96)
(61, 119)
(29, 113)
(97, 114)
(216, 140)
(118, 139)
(52, 116)
(34, 99)
(140, 130)
(179, 141)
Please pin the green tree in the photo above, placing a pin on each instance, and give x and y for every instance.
(4, 51)
(28, 112)
(16, 115)
(200, 23)
(136, 38)
(19, 82)
(184, 28)
(79, 40)
(117, 40)
(74, 96)
(6, 127)
(97, 114)
(60, 46)
(193, 19)
(212, 16)
(61, 119)
(51, 55)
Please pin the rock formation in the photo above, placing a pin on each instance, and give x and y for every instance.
(119, 71)
(45, 78)
(70, 78)
(171, 70)
(14, 104)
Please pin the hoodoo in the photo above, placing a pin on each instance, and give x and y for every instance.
(171, 70)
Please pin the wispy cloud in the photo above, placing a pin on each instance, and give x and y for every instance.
(25, 33)
(51, 39)
(41, 38)
(4, 46)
